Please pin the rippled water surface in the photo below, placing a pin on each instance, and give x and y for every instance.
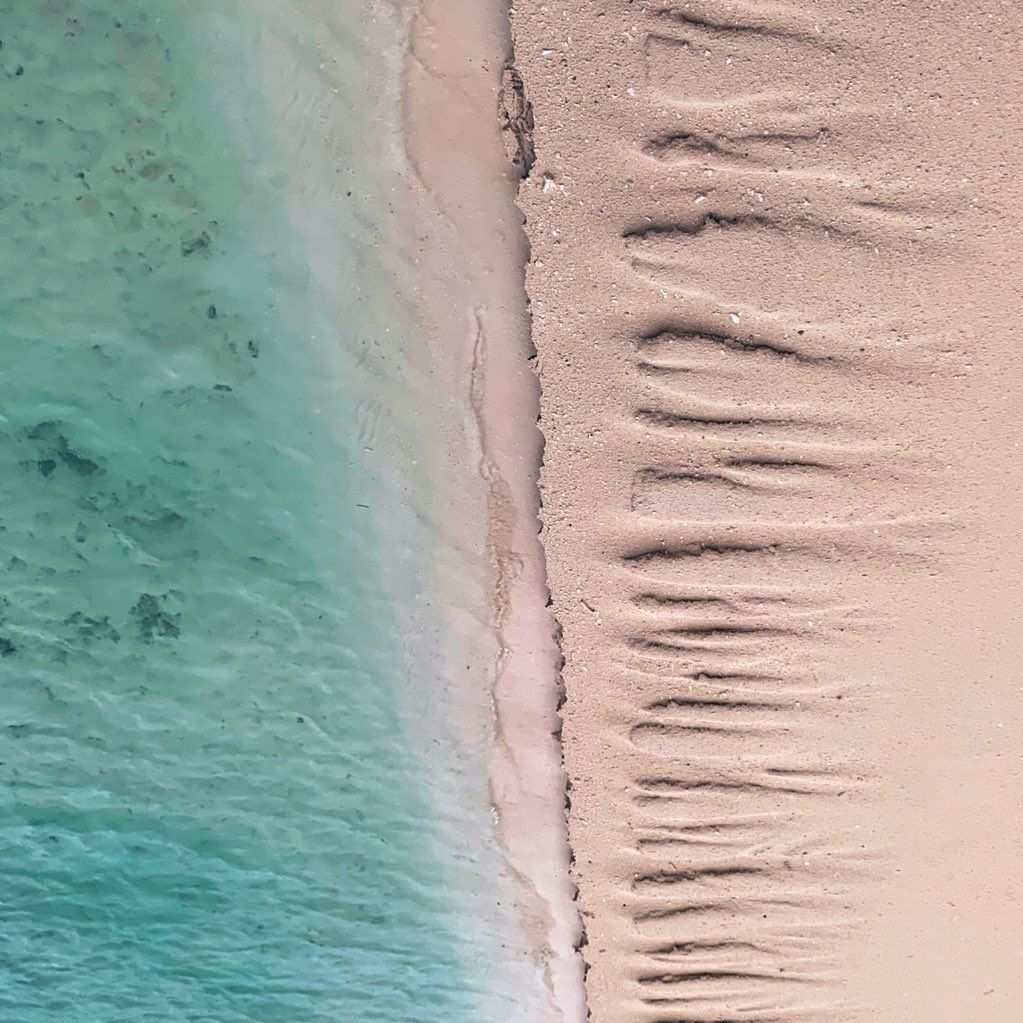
(208, 812)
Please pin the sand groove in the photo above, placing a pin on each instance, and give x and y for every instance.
(733, 295)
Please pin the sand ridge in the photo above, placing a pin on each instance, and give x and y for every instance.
(779, 403)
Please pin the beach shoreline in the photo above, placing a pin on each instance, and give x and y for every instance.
(445, 407)
(473, 302)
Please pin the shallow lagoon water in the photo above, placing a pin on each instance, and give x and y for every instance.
(208, 808)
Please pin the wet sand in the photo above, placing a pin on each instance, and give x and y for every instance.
(774, 280)
(464, 174)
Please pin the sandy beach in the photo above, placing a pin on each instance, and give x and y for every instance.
(773, 277)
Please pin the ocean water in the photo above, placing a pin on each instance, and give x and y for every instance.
(209, 810)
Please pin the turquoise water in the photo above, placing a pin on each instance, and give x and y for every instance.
(208, 811)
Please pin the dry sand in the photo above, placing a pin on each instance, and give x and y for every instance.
(775, 276)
